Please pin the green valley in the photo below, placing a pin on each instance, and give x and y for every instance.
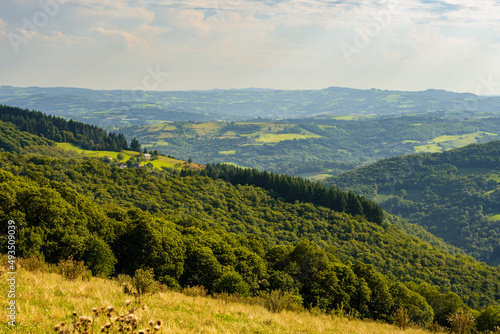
(316, 147)
(454, 195)
(234, 230)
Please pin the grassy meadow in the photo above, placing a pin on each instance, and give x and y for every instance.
(45, 299)
(162, 161)
(446, 142)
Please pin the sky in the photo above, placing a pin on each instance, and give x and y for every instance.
(227, 44)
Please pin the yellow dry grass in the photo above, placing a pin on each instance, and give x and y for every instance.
(45, 299)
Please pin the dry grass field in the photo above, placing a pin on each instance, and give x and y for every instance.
(46, 299)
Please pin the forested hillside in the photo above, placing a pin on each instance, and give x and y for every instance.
(56, 222)
(204, 203)
(455, 194)
(14, 140)
(220, 229)
(59, 130)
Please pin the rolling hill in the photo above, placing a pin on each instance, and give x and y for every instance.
(316, 147)
(127, 108)
(454, 195)
(200, 228)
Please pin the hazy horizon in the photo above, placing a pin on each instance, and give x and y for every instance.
(171, 45)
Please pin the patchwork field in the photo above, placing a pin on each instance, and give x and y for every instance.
(257, 132)
(446, 142)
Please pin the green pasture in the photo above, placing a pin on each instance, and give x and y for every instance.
(227, 152)
(447, 142)
(159, 163)
(276, 138)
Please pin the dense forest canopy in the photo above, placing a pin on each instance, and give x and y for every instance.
(58, 129)
(454, 194)
(200, 201)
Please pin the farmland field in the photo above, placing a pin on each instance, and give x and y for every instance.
(446, 142)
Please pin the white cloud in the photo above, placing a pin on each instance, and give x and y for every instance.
(129, 39)
(241, 43)
(3, 26)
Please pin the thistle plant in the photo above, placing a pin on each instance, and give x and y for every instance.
(110, 321)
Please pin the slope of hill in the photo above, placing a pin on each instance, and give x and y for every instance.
(202, 202)
(455, 194)
(55, 222)
(14, 140)
(48, 299)
(194, 230)
(59, 130)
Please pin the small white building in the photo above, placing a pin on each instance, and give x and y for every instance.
(147, 156)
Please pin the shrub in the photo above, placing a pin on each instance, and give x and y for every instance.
(277, 301)
(436, 328)
(401, 318)
(231, 282)
(98, 256)
(489, 319)
(461, 322)
(72, 269)
(195, 291)
(35, 263)
(144, 282)
(170, 282)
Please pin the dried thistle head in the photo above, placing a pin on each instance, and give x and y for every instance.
(86, 321)
(96, 311)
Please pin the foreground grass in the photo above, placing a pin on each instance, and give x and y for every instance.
(45, 299)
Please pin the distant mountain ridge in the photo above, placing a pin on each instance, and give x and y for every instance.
(125, 107)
